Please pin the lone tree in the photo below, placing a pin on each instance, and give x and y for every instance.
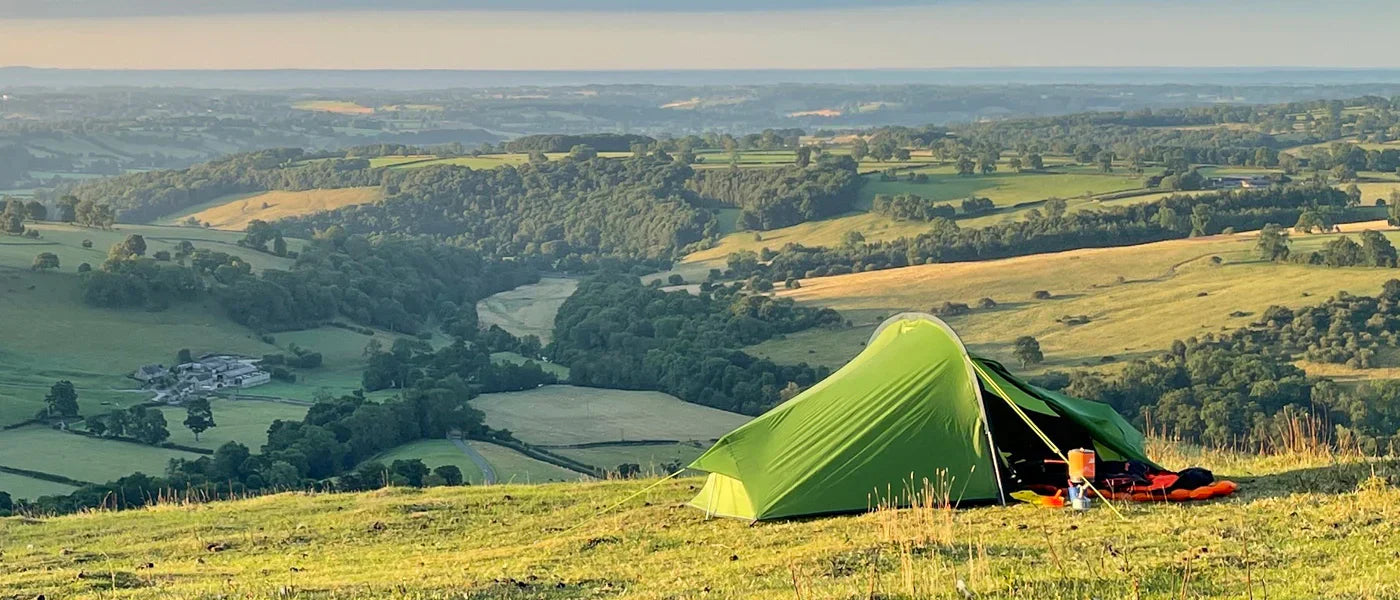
(1028, 351)
(199, 417)
(45, 261)
(62, 400)
(1273, 243)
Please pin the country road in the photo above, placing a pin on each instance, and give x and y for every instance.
(488, 473)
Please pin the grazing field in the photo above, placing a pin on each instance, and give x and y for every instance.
(1301, 527)
(434, 453)
(1137, 298)
(80, 457)
(1004, 188)
(242, 421)
(566, 414)
(235, 212)
(514, 467)
(528, 309)
(29, 488)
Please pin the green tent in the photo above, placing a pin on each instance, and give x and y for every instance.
(908, 415)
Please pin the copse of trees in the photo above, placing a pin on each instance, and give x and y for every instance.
(910, 207)
(615, 332)
(782, 196)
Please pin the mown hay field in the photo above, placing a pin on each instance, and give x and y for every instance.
(235, 212)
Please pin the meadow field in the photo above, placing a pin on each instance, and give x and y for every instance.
(528, 309)
(235, 212)
(566, 414)
(434, 454)
(1312, 526)
(243, 421)
(38, 448)
(1137, 298)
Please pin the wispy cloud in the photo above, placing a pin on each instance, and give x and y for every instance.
(50, 9)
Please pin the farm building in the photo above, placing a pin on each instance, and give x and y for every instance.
(149, 372)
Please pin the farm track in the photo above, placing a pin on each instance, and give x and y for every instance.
(488, 472)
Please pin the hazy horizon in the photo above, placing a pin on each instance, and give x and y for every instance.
(725, 35)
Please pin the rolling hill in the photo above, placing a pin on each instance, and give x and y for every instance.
(1136, 299)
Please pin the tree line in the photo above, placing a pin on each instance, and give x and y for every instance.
(1175, 216)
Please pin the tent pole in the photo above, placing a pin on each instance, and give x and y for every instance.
(987, 427)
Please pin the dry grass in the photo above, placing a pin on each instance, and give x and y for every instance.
(1301, 527)
(235, 214)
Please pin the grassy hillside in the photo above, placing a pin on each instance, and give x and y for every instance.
(1137, 298)
(1300, 528)
(565, 414)
(235, 212)
(50, 334)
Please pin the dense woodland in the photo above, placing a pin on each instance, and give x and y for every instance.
(615, 332)
(783, 196)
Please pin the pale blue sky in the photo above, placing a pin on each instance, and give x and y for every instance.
(712, 34)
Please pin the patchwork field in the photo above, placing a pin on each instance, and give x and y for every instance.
(528, 309)
(1137, 299)
(565, 414)
(235, 212)
(1301, 527)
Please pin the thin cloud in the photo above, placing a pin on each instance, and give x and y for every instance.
(32, 9)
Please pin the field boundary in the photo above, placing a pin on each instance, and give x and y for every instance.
(41, 475)
(623, 443)
(546, 456)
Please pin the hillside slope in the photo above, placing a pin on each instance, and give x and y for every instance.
(1299, 528)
